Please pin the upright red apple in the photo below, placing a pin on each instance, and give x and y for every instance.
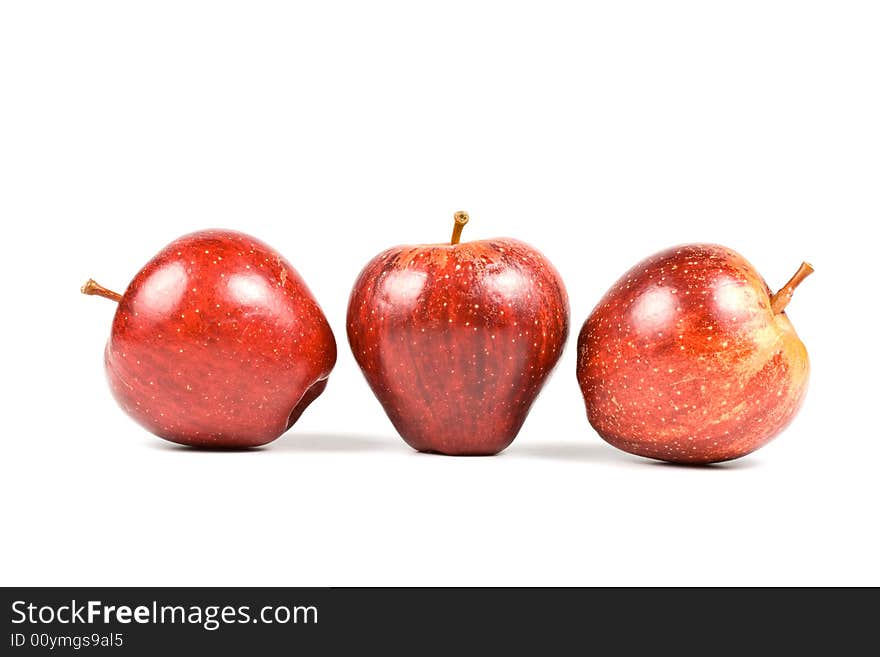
(456, 340)
(217, 342)
(690, 358)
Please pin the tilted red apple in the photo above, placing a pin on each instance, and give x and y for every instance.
(456, 340)
(217, 342)
(690, 358)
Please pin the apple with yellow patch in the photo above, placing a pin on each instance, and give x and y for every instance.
(690, 357)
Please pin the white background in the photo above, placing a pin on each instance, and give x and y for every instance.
(599, 132)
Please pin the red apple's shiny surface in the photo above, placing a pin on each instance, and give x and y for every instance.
(456, 341)
(684, 359)
(217, 342)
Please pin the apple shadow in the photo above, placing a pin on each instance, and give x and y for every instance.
(335, 442)
(736, 464)
(167, 446)
(601, 453)
(572, 453)
(297, 442)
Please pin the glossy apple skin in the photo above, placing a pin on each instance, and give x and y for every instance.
(457, 341)
(217, 342)
(684, 361)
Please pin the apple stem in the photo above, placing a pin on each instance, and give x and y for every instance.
(461, 218)
(92, 288)
(780, 300)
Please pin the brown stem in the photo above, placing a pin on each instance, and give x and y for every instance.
(461, 218)
(94, 289)
(780, 300)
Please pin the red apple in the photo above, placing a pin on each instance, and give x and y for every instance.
(456, 340)
(217, 342)
(690, 358)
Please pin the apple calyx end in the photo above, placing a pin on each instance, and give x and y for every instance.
(781, 299)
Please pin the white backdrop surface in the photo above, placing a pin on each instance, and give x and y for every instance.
(599, 132)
